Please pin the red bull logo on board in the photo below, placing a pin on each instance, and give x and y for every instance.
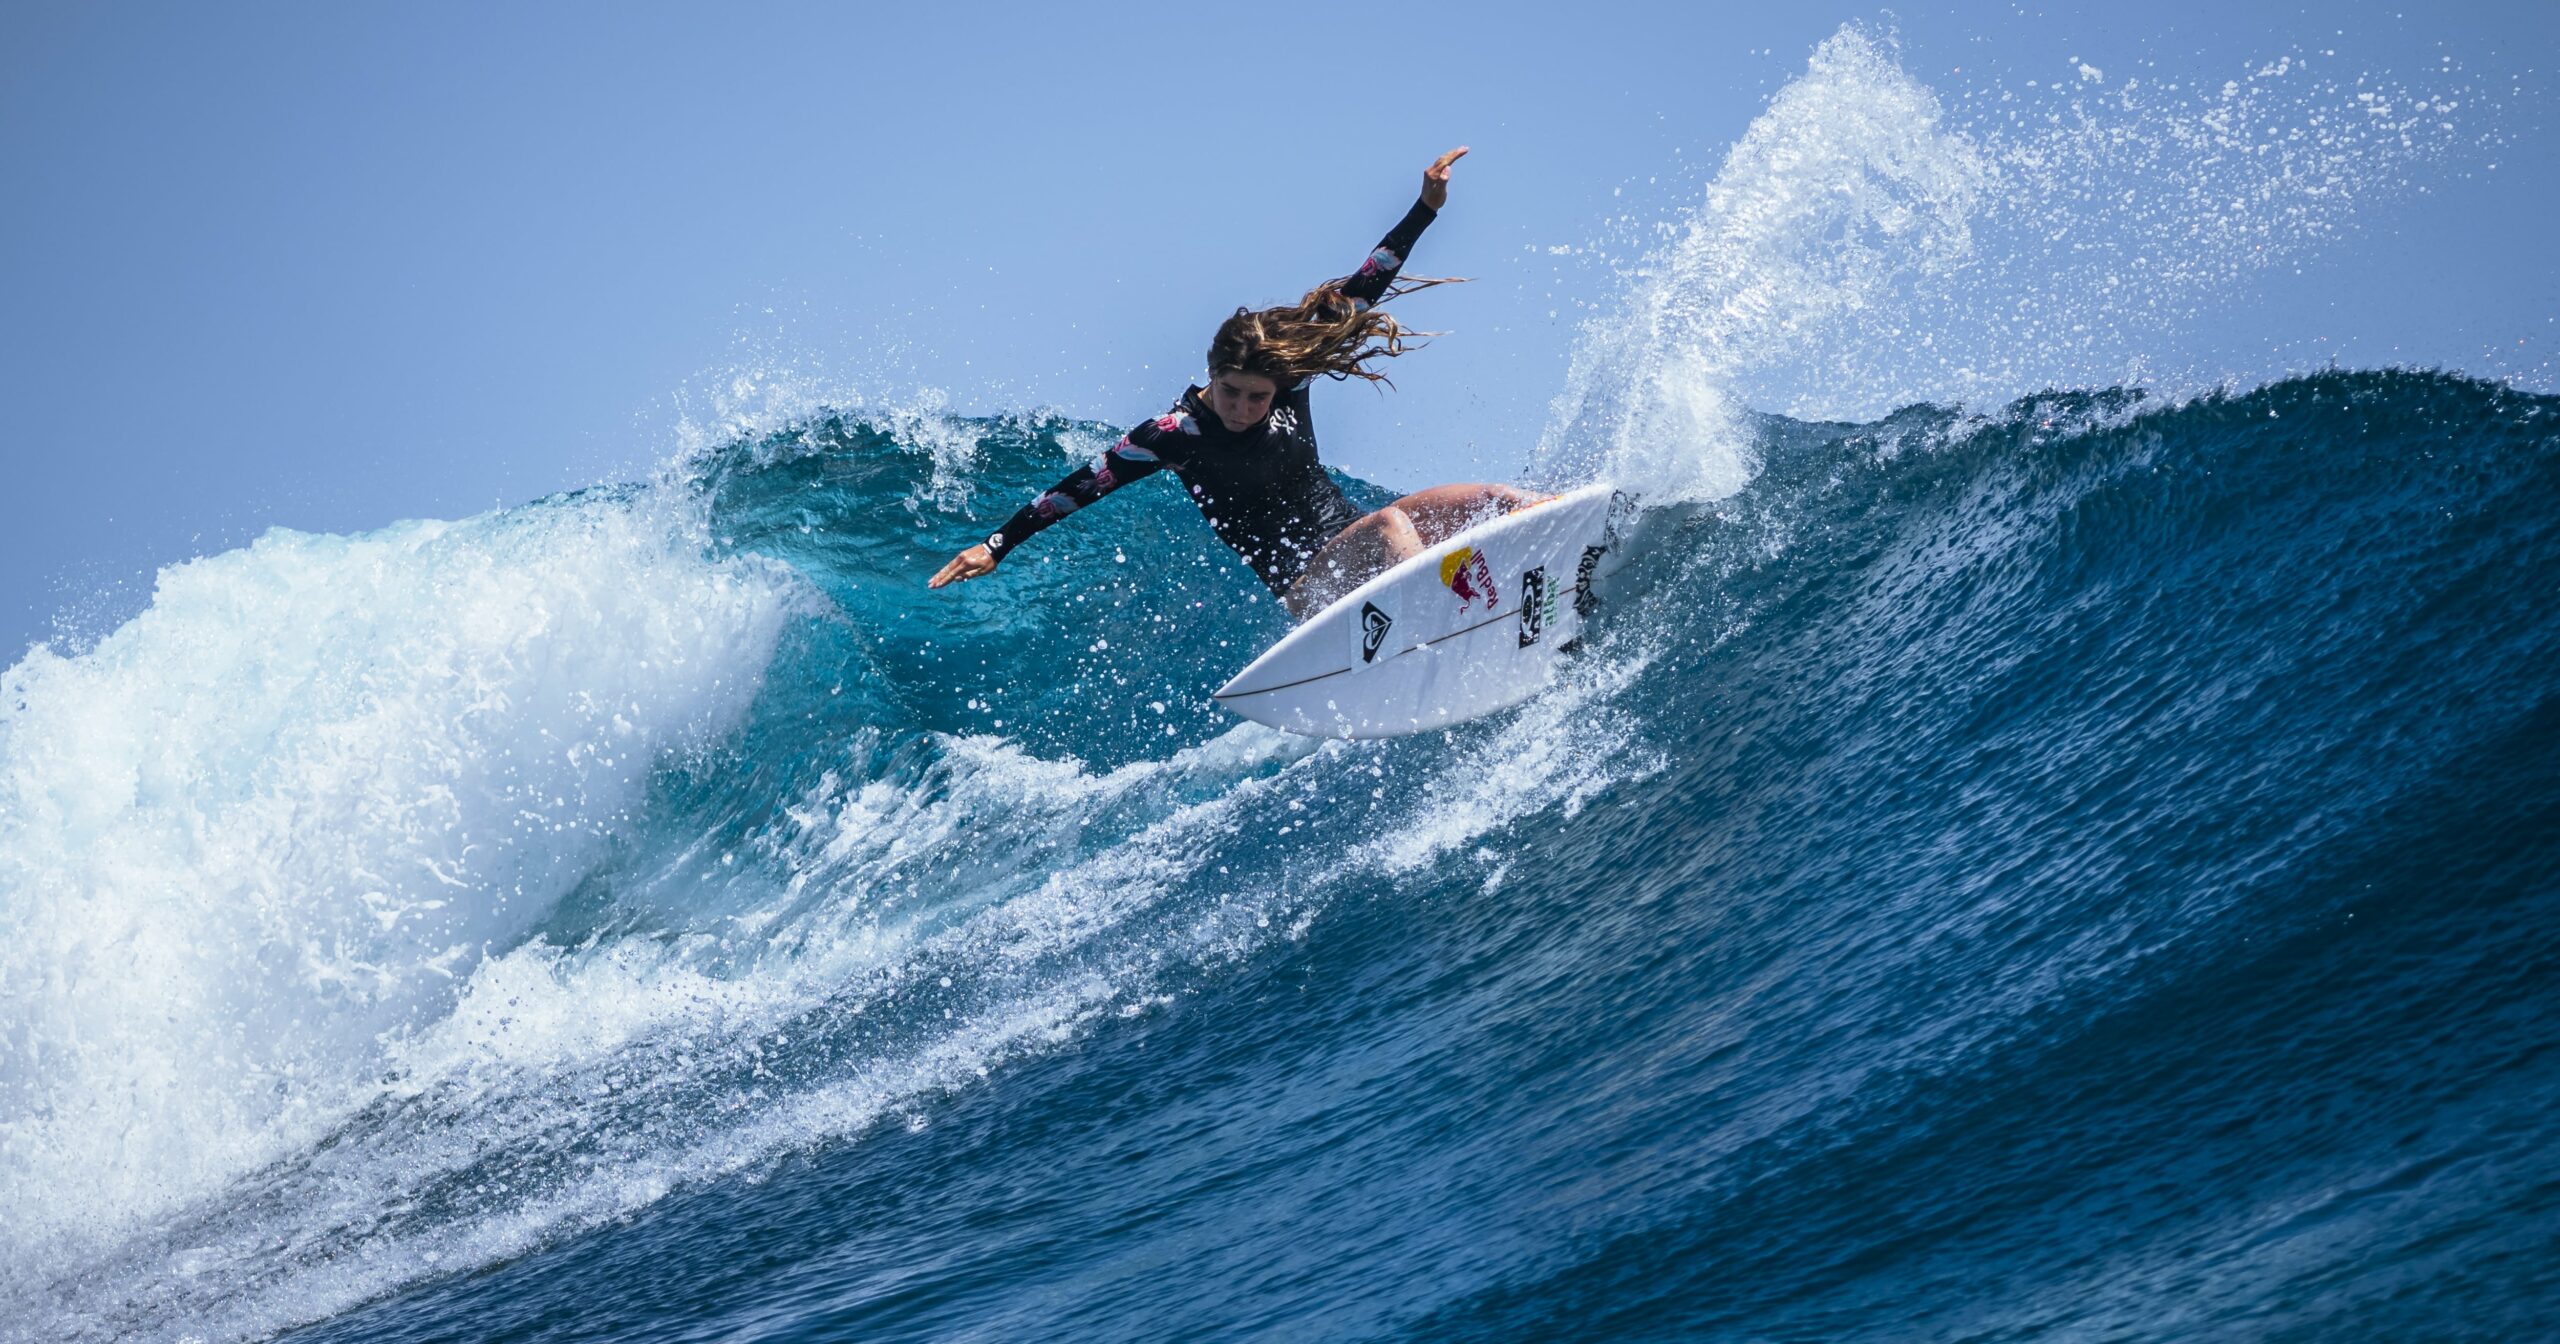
(1468, 575)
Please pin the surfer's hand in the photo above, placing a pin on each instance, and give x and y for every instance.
(968, 564)
(1435, 179)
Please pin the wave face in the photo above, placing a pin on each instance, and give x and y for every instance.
(2092, 869)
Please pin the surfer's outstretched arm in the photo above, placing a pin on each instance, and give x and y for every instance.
(1369, 284)
(1132, 457)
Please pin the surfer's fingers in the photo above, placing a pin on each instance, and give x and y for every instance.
(1435, 179)
(968, 564)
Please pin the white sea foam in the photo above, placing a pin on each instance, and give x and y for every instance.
(555, 1085)
(275, 822)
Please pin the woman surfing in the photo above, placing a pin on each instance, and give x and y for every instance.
(1245, 445)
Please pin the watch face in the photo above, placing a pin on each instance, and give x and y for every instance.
(995, 541)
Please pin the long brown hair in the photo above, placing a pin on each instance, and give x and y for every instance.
(1325, 333)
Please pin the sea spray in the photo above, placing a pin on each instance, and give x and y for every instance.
(1870, 242)
(1846, 185)
(278, 819)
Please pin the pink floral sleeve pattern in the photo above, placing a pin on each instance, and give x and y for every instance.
(1132, 458)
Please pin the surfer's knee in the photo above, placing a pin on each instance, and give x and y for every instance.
(1397, 526)
(1390, 529)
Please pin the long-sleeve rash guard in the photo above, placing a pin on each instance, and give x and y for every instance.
(1263, 491)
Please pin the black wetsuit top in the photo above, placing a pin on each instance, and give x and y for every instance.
(1263, 490)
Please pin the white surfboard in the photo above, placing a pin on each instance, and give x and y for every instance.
(1471, 625)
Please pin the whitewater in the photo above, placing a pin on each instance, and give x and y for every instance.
(2044, 842)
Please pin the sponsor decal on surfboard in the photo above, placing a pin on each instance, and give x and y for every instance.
(1470, 577)
(1373, 630)
(1585, 601)
(1536, 605)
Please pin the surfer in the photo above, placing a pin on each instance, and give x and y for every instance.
(1244, 446)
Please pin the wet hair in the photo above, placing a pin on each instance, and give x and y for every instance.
(1324, 334)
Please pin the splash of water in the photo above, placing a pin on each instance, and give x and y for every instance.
(1867, 245)
(279, 818)
(1850, 180)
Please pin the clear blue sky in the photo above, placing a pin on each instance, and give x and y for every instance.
(324, 266)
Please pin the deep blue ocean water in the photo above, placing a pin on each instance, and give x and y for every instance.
(2086, 870)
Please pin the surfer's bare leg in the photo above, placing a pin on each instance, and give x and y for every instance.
(1356, 554)
(1444, 511)
(1374, 544)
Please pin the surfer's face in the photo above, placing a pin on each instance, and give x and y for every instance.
(1241, 399)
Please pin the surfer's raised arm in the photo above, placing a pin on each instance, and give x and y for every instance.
(1377, 275)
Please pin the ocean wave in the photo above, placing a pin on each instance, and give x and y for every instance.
(409, 900)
